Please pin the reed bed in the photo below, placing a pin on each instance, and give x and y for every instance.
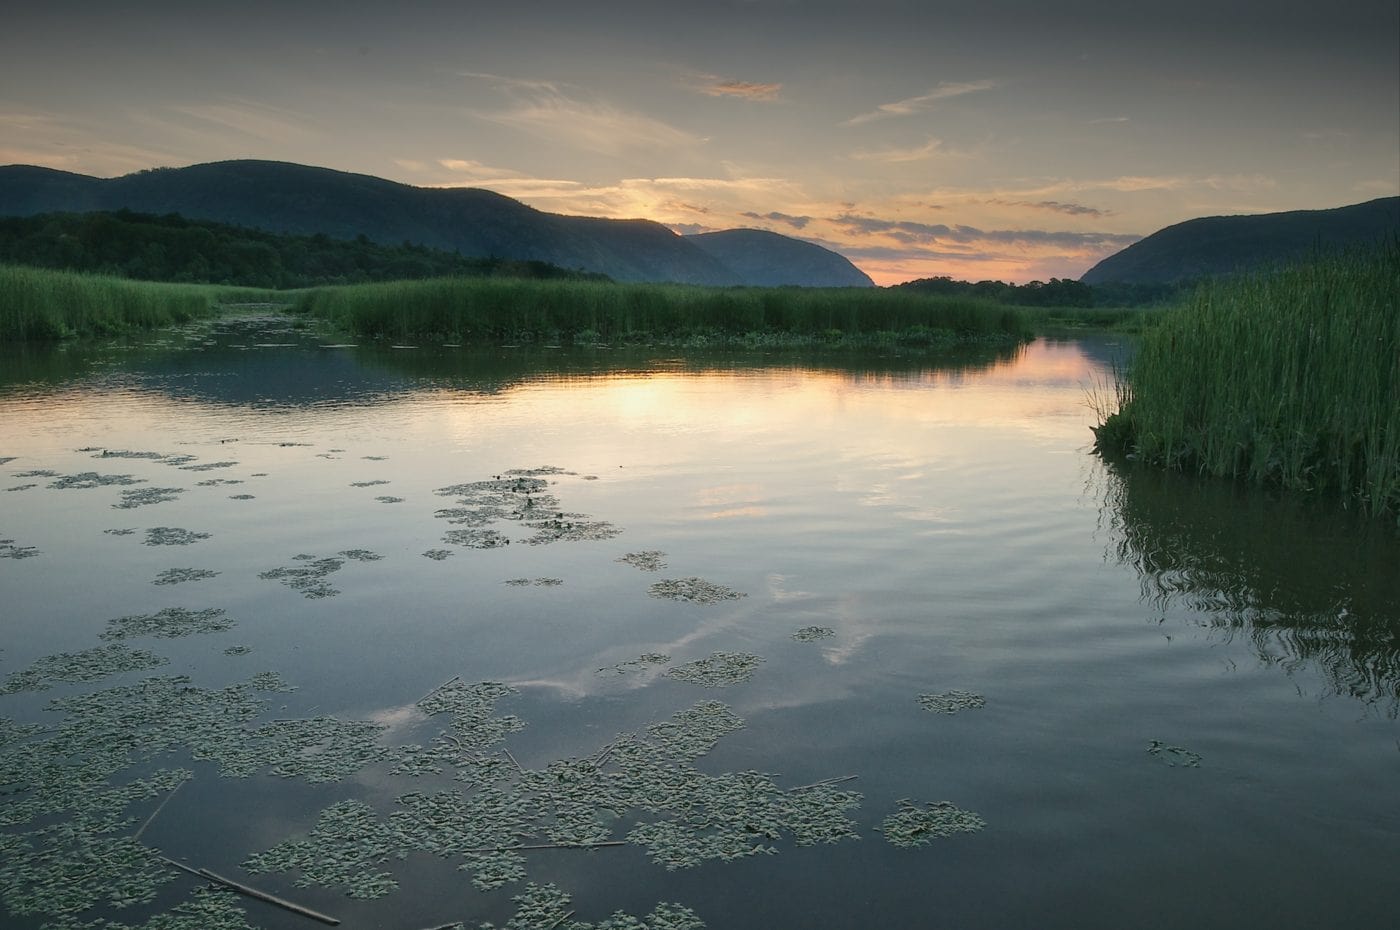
(1290, 378)
(504, 310)
(43, 305)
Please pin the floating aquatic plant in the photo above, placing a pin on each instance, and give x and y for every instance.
(240, 497)
(648, 560)
(367, 484)
(169, 623)
(37, 473)
(693, 590)
(8, 550)
(389, 499)
(238, 650)
(120, 532)
(538, 582)
(475, 539)
(950, 702)
(142, 497)
(645, 660)
(181, 575)
(718, 670)
(91, 479)
(520, 496)
(218, 482)
(810, 634)
(913, 825)
(172, 536)
(568, 528)
(207, 466)
(1174, 756)
(21, 487)
(127, 454)
(437, 555)
(310, 577)
(87, 665)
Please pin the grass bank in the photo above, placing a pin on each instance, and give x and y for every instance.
(503, 310)
(1289, 379)
(42, 305)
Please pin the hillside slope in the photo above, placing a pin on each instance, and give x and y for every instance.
(1216, 245)
(288, 198)
(767, 259)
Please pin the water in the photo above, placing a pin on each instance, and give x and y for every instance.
(943, 517)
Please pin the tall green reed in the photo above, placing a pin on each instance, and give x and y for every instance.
(1289, 378)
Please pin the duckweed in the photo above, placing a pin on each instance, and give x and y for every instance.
(87, 665)
(238, 650)
(718, 670)
(437, 555)
(694, 591)
(810, 634)
(913, 825)
(950, 702)
(310, 577)
(181, 575)
(389, 499)
(91, 479)
(207, 466)
(1174, 756)
(648, 560)
(642, 661)
(169, 623)
(21, 487)
(8, 550)
(172, 536)
(142, 497)
(367, 484)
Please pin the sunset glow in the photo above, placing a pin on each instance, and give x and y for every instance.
(999, 141)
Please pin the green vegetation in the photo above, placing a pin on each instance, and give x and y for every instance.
(1288, 379)
(39, 305)
(485, 310)
(173, 248)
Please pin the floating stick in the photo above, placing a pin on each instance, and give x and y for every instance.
(437, 689)
(487, 849)
(253, 892)
(159, 808)
(844, 778)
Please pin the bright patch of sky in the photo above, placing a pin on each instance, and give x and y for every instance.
(1008, 139)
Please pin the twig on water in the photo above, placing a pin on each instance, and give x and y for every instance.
(816, 785)
(437, 689)
(490, 849)
(560, 921)
(518, 766)
(254, 893)
(159, 807)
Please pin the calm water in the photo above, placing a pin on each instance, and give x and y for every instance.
(944, 518)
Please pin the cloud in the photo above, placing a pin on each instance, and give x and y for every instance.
(545, 109)
(896, 156)
(911, 233)
(912, 105)
(1108, 119)
(476, 169)
(744, 90)
(1070, 209)
(269, 124)
(796, 222)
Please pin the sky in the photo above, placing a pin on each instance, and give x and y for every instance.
(1000, 139)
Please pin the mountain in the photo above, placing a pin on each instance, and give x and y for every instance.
(767, 259)
(287, 198)
(1216, 245)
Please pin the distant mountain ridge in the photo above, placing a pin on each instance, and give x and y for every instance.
(1220, 245)
(283, 197)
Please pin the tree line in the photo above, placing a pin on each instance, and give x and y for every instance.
(174, 248)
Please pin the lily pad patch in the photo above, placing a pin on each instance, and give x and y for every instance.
(143, 497)
(913, 825)
(811, 634)
(951, 702)
(182, 575)
(648, 560)
(694, 591)
(1174, 756)
(718, 670)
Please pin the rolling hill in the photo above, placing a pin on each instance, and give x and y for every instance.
(287, 198)
(1218, 245)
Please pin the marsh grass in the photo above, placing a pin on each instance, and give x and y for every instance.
(1290, 378)
(586, 312)
(41, 305)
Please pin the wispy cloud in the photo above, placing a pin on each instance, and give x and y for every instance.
(1108, 119)
(912, 105)
(898, 156)
(475, 170)
(1054, 206)
(548, 110)
(745, 90)
(914, 233)
(260, 121)
(796, 222)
